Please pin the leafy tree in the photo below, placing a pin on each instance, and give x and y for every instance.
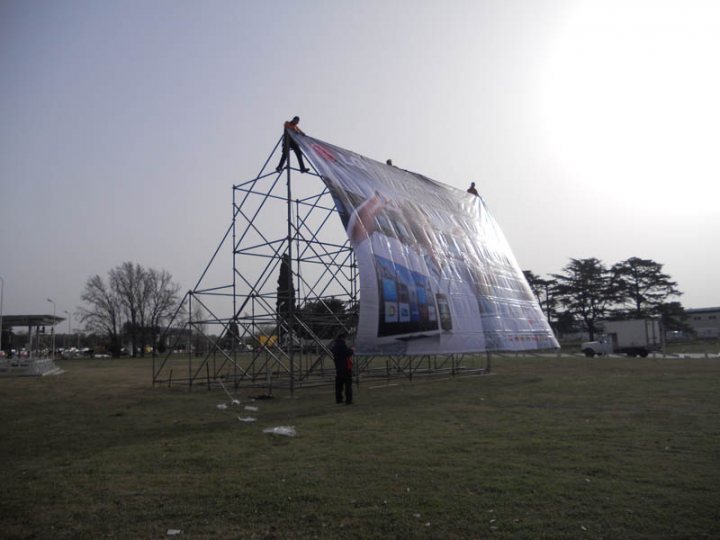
(535, 282)
(566, 323)
(586, 290)
(231, 338)
(545, 290)
(643, 286)
(674, 317)
(285, 294)
(323, 317)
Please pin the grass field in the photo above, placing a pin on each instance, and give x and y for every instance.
(541, 448)
(709, 346)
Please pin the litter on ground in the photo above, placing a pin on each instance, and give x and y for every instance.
(288, 431)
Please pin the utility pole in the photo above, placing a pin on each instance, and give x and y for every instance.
(53, 329)
(2, 293)
(70, 314)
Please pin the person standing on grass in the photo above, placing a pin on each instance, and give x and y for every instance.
(342, 355)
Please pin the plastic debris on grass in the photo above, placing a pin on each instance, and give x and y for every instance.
(224, 406)
(246, 419)
(251, 408)
(174, 532)
(287, 431)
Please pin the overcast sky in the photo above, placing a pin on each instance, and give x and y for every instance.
(590, 127)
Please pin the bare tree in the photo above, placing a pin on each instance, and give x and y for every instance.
(161, 297)
(127, 279)
(104, 314)
(135, 298)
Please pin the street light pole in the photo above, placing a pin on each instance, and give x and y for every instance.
(2, 293)
(69, 326)
(53, 329)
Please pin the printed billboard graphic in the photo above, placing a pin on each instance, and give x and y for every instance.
(436, 273)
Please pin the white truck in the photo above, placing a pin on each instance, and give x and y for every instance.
(636, 337)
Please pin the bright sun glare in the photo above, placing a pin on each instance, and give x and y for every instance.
(630, 101)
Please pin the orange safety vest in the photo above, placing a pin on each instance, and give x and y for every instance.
(293, 127)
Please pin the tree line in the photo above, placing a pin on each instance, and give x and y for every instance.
(587, 291)
(133, 303)
(584, 293)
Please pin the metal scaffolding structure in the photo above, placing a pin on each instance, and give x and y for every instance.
(293, 286)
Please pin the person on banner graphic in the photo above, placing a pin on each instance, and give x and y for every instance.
(372, 245)
(291, 125)
(342, 356)
(421, 268)
(397, 300)
(363, 221)
(472, 189)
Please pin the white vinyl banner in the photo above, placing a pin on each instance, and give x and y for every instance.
(436, 273)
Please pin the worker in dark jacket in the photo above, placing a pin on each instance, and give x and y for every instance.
(342, 355)
(291, 125)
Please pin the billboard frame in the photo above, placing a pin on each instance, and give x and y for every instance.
(233, 347)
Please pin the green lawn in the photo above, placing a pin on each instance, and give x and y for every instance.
(541, 448)
(699, 346)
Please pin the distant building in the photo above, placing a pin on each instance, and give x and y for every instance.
(705, 321)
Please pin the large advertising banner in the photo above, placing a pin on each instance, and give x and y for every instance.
(436, 273)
